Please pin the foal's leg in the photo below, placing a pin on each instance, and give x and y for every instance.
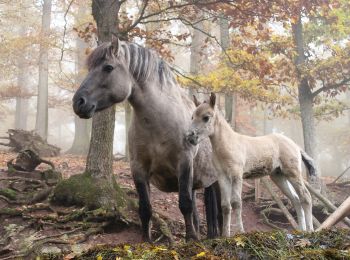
(185, 196)
(195, 212)
(305, 198)
(282, 183)
(225, 192)
(236, 202)
(145, 208)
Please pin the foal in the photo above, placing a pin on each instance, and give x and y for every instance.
(237, 157)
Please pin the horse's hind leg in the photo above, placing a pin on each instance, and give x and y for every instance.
(145, 208)
(195, 212)
(282, 183)
(305, 199)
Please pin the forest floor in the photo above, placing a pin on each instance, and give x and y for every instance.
(33, 231)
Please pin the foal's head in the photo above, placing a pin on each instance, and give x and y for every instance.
(108, 81)
(202, 120)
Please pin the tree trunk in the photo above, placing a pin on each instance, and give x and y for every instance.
(230, 100)
(305, 94)
(41, 124)
(128, 115)
(348, 99)
(81, 140)
(196, 48)
(97, 188)
(100, 158)
(82, 126)
(21, 102)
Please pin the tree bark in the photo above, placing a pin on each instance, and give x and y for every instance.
(305, 94)
(41, 124)
(230, 99)
(196, 47)
(82, 126)
(21, 102)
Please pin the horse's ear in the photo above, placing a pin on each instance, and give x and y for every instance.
(212, 99)
(195, 100)
(115, 46)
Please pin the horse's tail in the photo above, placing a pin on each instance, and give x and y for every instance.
(309, 163)
(213, 210)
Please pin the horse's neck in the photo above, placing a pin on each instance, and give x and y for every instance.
(160, 107)
(222, 131)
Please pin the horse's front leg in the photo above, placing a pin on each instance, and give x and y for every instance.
(185, 196)
(225, 190)
(236, 202)
(145, 209)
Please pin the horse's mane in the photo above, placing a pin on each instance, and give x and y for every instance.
(143, 63)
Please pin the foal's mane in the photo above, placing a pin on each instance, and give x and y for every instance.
(143, 63)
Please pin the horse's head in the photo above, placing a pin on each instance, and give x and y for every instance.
(202, 120)
(108, 81)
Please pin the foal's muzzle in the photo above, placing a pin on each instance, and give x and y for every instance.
(82, 107)
(192, 137)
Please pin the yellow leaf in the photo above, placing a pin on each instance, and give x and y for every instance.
(239, 241)
(99, 257)
(201, 254)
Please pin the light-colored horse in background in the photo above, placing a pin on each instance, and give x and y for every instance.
(238, 157)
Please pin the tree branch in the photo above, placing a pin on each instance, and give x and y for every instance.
(332, 86)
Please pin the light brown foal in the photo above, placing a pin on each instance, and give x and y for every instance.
(238, 157)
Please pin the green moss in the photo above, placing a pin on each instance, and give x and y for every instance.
(9, 193)
(84, 190)
(257, 245)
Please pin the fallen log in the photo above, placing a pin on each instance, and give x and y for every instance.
(280, 204)
(329, 205)
(21, 140)
(336, 216)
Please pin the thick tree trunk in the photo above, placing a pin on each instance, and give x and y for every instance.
(196, 48)
(21, 102)
(82, 131)
(348, 99)
(305, 94)
(128, 114)
(81, 140)
(230, 99)
(100, 158)
(41, 124)
(97, 188)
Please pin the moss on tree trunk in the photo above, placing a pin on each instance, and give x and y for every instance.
(93, 193)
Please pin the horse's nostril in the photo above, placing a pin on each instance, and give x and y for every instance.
(81, 101)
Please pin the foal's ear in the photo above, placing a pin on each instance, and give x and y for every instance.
(115, 46)
(212, 99)
(195, 100)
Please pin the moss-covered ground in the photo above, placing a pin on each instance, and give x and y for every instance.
(327, 244)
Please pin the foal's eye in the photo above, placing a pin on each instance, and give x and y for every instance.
(108, 68)
(206, 119)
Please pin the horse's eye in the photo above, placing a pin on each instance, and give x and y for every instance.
(108, 68)
(206, 119)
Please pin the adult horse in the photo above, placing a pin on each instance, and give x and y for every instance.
(159, 152)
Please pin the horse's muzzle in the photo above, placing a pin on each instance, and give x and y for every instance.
(192, 137)
(82, 107)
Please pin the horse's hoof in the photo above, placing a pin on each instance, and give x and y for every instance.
(147, 240)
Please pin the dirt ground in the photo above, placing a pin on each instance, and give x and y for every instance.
(165, 204)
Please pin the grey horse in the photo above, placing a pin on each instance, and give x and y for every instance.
(159, 151)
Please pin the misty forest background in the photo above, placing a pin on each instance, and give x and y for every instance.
(278, 66)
